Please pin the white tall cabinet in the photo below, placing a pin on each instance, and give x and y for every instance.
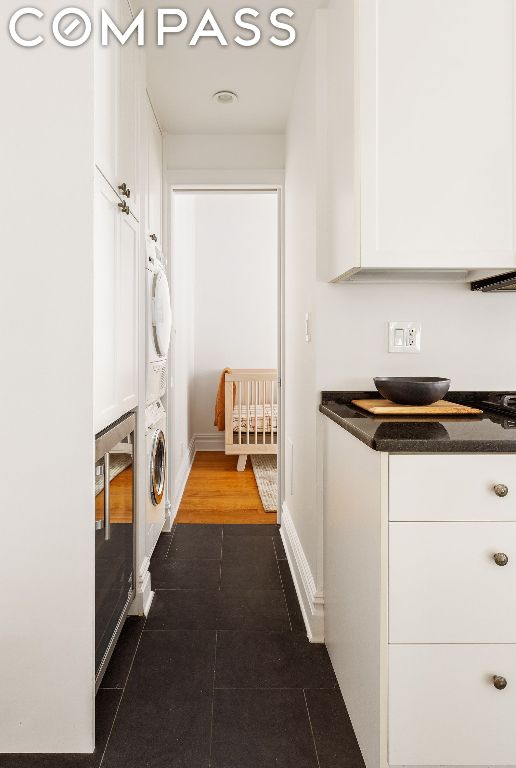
(419, 564)
(128, 209)
(421, 137)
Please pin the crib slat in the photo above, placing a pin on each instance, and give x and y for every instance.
(255, 399)
(272, 412)
(263, 413)
(248, 413)
(239, 385)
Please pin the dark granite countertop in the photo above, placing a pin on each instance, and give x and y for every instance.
(490, 433)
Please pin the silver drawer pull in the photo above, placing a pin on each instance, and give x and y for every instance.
(499, 682)
(99, 525)
(501, 558)
(501, 490)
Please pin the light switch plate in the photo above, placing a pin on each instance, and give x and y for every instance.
(404, 337)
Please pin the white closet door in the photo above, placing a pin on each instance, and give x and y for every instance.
(107, 222)
(155, 176)
(129, 119)
(127, 313)
(107, 95)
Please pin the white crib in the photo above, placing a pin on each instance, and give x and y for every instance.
(251, 413)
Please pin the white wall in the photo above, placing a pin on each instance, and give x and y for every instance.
(47, 451)
(224, 151)
(302, 211)
(235, 291)
(183, 276)
(466, 336)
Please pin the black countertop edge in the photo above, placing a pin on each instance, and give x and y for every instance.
(486, 434)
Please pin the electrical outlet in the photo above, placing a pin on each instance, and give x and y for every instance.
(404, 337)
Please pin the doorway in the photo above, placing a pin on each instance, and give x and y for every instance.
(225, 402)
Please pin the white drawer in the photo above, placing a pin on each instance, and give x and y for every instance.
(445, 585)
(444, 709)
(451, 487)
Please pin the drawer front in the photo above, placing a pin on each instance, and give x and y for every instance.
(445, 585)
(452, 487)
(444, 708)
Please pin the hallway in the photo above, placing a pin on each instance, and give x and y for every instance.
(217, 493)
(220, 674)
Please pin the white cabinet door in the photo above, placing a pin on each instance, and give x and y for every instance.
(107, 97)
(452, 487)
(127, 313)
(129, 118)
(437, 157)
(107, 222)
(445, 585)
(117, 121)
(116, 280)
(444, 709)
(155, 175)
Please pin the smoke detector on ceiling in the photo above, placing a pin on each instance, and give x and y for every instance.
(225, 97)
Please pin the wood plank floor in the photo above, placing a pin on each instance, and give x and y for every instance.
(217, 493)
(121, 498)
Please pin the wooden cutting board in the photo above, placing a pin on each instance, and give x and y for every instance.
(441, 408)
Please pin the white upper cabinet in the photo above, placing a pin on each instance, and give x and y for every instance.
(117, 88)
(421, 137)
(154, 176)
(115, 307)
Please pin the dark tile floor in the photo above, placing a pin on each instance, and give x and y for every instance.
(220, 674)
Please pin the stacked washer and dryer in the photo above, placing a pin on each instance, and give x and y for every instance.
(159, 325)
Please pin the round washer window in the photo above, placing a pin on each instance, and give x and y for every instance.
(158, 467)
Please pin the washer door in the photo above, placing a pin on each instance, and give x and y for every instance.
(158, 465)
(161, 313)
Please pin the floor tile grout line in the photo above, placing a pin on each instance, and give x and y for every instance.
(270, 688)
(311, 728)
(221, 555)
(282, 586)
(122, 694)
(173, 532)
(213, 697)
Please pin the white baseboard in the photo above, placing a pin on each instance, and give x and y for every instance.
(182, 478)
(211, 441)
(144, 595)
(310, 600)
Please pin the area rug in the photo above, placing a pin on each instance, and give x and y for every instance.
(265, 470)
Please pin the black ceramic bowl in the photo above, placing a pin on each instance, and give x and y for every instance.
(412, 390)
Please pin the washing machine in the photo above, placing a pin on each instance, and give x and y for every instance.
(156, 440)
(159, 324)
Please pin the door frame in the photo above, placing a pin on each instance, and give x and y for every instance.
(279, 190)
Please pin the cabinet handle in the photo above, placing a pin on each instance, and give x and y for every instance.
(499, 682)
(501, 490)
(501, 559)
(107, 499)
(154, 237)
(124, 208)
(124, 189)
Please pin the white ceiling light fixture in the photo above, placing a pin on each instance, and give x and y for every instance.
(225, 97)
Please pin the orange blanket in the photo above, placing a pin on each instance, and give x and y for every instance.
(220, 402)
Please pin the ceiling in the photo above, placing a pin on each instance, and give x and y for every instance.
(182, 79)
